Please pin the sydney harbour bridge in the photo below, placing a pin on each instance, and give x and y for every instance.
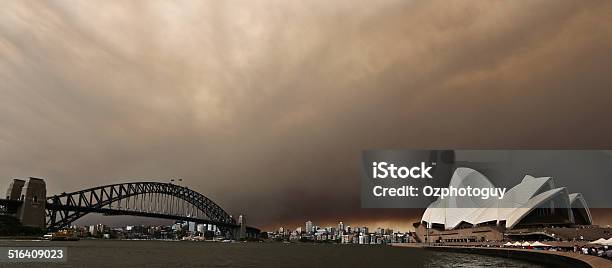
(27, 201)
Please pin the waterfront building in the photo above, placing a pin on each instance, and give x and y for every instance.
(92, 230)
(201, 228)
(364, 239)
(533, 204)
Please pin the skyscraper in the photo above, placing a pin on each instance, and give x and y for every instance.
(309, 227)
(340, 228)
(242, 223)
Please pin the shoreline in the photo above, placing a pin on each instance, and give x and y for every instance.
(554, 258)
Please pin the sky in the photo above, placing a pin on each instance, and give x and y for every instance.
(266, 106)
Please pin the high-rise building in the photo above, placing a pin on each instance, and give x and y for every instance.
(201, 228)
(242, 223)
(309, 228)
(346, 239)
(92, 230)
(340, 228)
(364, 239)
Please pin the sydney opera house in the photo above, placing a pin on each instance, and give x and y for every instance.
(527, 209)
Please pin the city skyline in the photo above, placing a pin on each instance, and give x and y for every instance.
(184, 230)
(401, 224)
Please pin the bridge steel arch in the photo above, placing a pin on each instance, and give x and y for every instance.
(65, 208)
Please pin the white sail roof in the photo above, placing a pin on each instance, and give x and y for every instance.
(519, 213)
(577, 201)
(517, 203)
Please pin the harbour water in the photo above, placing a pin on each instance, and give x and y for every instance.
(115, 253)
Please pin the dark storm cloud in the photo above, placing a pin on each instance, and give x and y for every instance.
(265, 106)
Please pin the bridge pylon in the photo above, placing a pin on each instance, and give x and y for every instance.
(33, 196)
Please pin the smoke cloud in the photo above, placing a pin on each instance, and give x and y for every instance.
(265, 106)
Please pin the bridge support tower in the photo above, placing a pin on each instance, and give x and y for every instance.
(33, 195)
